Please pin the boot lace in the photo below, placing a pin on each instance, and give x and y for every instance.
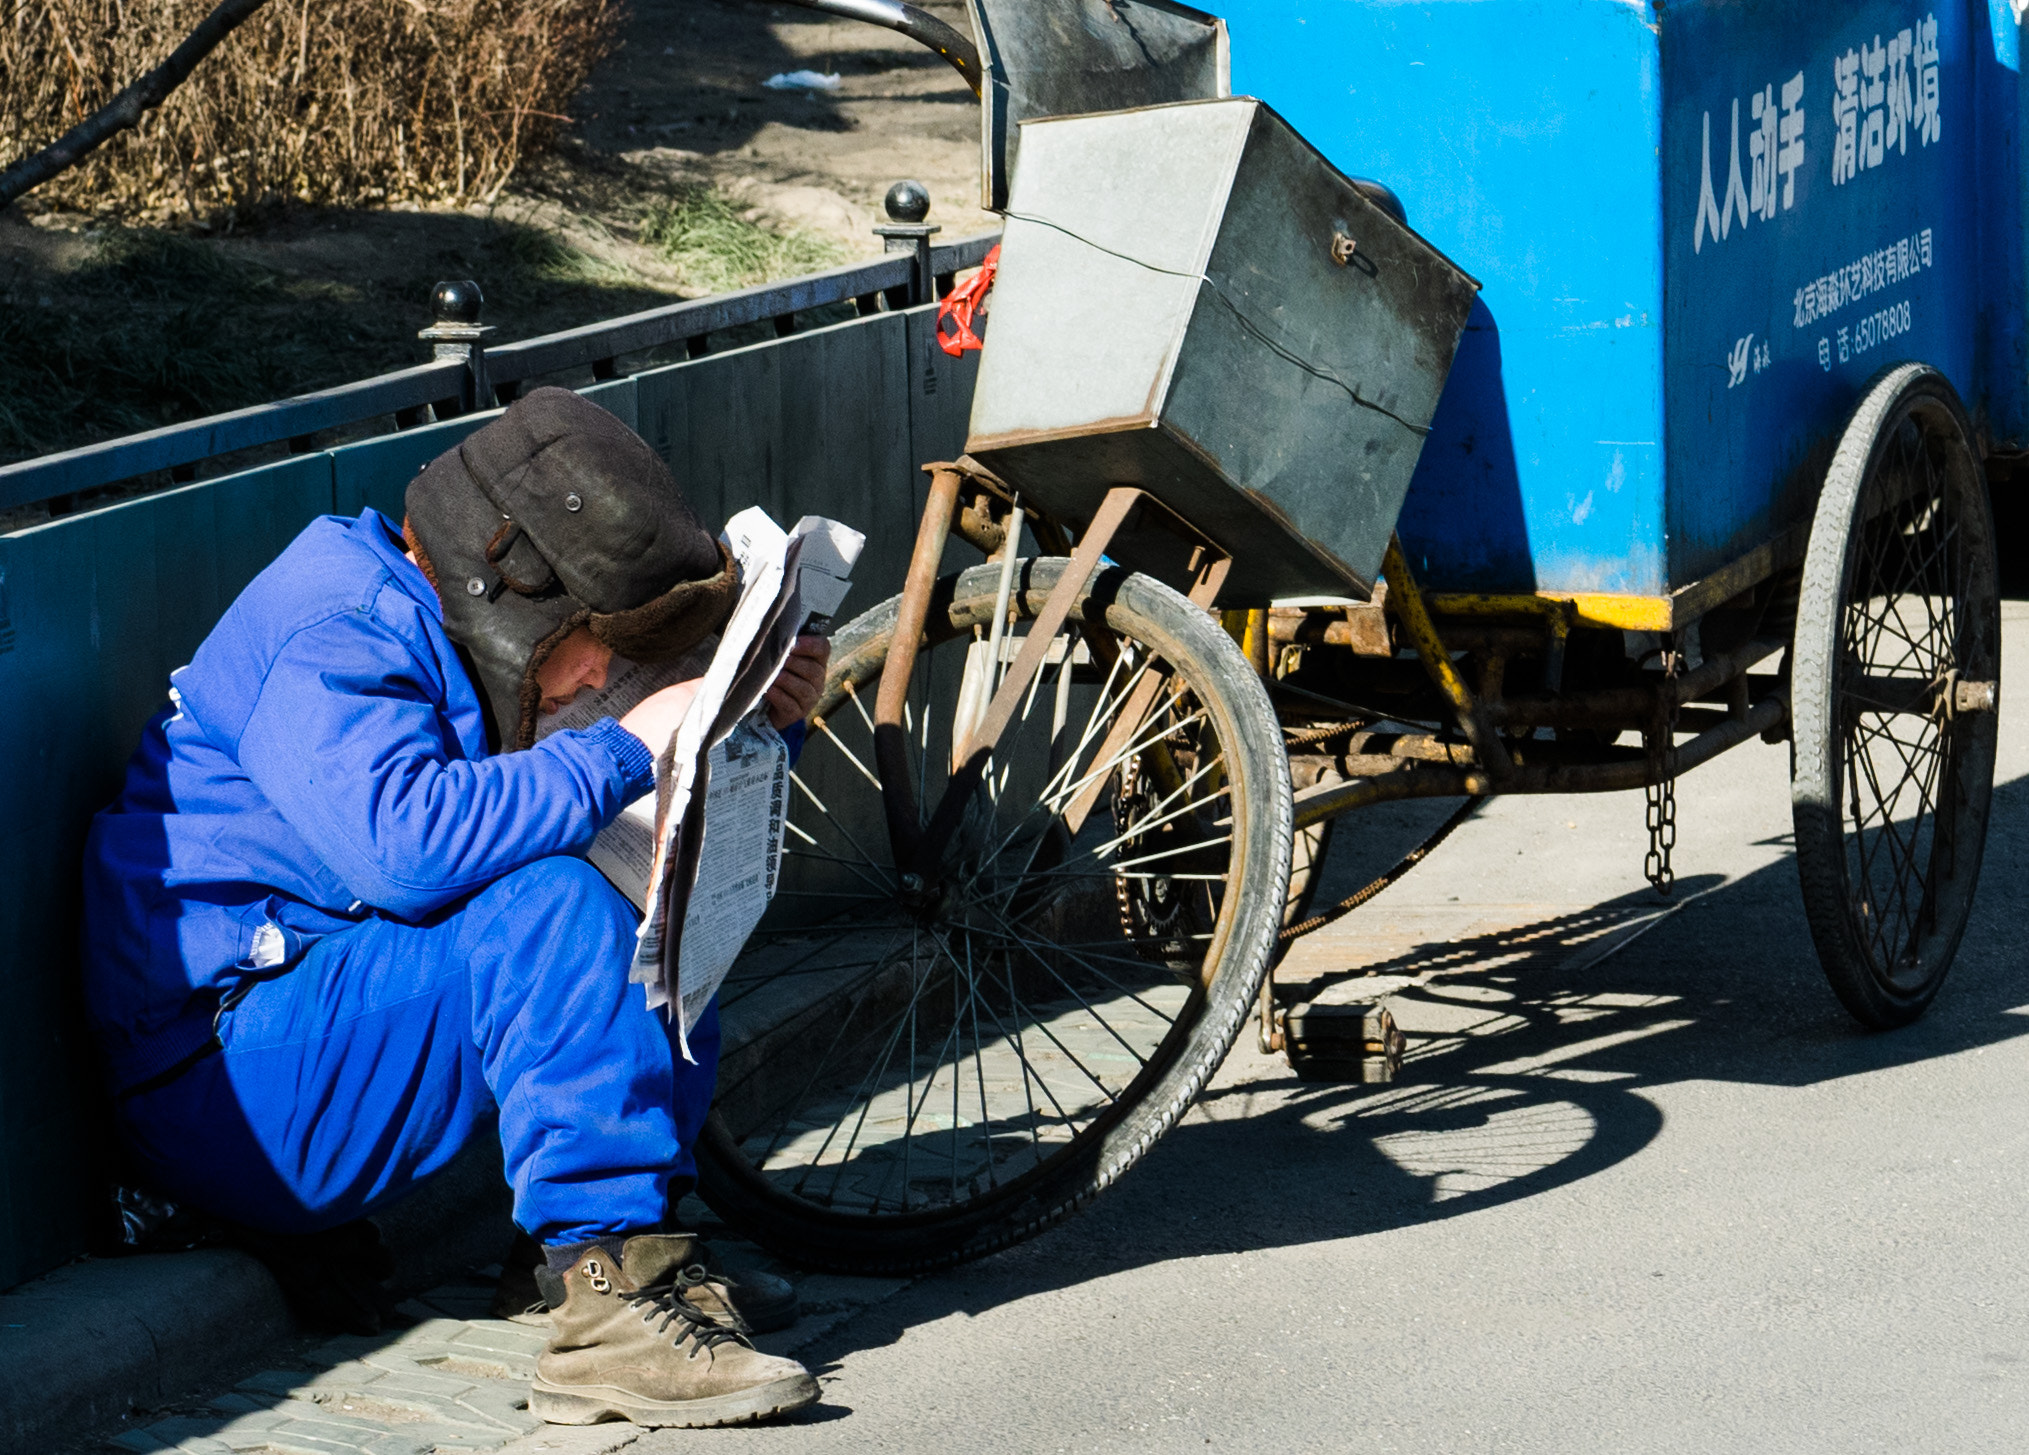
(667, 1298)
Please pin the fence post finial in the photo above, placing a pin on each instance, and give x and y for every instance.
(458, 334)
(908, 203)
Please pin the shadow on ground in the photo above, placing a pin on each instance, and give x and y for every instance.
(119, 330)
(1534, 1053)
(1531, 1074)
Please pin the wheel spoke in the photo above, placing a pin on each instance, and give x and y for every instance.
(1013, 936)
(828, 818)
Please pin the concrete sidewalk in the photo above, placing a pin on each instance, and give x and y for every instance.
(456, 1379)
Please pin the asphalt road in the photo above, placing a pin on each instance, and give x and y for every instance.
(1642, 1187)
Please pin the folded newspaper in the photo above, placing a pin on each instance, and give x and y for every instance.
(723, 777)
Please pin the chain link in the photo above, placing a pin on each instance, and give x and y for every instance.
(1662, 794)
(1662, 820)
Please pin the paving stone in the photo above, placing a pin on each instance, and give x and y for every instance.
(445, 1384)
(448, 1384)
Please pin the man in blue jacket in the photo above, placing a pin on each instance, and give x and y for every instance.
(338, 922)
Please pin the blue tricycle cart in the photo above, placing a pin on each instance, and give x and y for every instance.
(1644, 410)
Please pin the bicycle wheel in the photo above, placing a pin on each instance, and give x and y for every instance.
(1896, 680)
(918, 1073)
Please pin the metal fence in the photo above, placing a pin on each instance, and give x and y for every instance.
(466, 375)
(97, 605)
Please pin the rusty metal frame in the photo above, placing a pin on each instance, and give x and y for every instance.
(1383, 767)
(1405, 600)
(917, 845)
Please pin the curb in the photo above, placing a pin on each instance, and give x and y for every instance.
(81, 1347)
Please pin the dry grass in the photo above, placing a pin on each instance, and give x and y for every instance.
(330, 101)
(714, 248)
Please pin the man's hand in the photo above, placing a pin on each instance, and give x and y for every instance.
(654, 718)
(796, 691)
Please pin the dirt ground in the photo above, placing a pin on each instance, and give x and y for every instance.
(105, 329)
(686, 94)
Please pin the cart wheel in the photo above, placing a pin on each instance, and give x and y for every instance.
(1896, 676)
(914, 1079)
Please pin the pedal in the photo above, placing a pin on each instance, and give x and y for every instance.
(1358, 1043)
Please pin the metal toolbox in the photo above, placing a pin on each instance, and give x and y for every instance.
(1193, 301)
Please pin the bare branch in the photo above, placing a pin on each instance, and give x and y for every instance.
(127, 108)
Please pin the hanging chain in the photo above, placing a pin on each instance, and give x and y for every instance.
(1662, 793)
(1662, 835)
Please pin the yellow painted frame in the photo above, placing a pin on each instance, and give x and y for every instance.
(1639, 613)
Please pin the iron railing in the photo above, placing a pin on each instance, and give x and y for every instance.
(466, 375)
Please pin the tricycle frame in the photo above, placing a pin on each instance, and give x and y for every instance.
(1478, 742)
(1322, 708)
(1450, 741)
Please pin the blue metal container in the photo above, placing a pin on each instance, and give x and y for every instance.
(1701, 227)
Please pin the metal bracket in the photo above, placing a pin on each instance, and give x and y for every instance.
(1406, 601)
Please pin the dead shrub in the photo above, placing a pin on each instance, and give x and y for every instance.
(336, 101)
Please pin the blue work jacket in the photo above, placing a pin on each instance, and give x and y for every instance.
(323, 758)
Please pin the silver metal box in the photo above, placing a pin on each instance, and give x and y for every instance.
(1193, 301)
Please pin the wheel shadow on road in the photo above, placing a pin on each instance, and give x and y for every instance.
(1531, 1061)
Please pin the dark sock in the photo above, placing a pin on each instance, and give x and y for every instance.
(561, 1256)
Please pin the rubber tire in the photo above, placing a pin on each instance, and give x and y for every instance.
(1145, 610)
(1817, 766)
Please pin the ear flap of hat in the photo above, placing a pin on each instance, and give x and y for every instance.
(499, 631)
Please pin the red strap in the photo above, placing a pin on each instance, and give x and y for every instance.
(961, 303)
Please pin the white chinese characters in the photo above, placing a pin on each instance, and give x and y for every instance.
(1880, 95)
(1865, 275)
(1775, 148)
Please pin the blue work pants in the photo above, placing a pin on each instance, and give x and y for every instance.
(368, 1065)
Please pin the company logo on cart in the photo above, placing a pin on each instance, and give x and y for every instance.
(1884, 95)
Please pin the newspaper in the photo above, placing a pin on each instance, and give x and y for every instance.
(723, 777)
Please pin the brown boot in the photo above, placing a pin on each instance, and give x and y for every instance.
(752, 1302)
(630, 1344)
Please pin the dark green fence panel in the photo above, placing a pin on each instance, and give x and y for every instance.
(617, 396)
(98, 609)
(817, 422)
(377, 472)
(940, 392)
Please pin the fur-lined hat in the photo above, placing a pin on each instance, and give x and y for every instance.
(552, 517)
